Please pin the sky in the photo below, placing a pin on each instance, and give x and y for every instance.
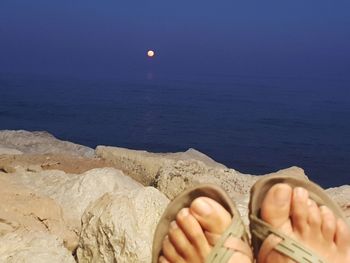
(106, 39)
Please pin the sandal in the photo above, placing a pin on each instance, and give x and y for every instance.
(236, 230)
(260, 230)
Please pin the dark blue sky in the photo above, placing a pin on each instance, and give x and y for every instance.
(108, 38)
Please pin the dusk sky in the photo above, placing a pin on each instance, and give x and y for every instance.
(108, 38)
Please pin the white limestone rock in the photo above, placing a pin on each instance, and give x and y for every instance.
(21, 207)
(144, 166)
(74, 192)
(341, 195)
(119, 227)
(9, 151)
(41, 143)
(172, 173)
(33, 247)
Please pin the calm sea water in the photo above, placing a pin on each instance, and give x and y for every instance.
(252, 124)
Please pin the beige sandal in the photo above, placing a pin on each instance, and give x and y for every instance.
(221, 252)
(260, 230)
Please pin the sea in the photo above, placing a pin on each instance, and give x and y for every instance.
(253, 124)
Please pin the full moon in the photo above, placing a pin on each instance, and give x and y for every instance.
(150, 53)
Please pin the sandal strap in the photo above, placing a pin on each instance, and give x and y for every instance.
(222, 252)
(287, 246)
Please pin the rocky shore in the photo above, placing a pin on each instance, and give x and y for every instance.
(63, 202)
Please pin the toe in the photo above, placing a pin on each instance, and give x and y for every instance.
(342, 235)
(162, 259)
(169, 251)
(329, 223)
(214, 220)
(300, 210)
(314, 216)
(211, 215)
(193, 231)
(180, 242)
(275, 208)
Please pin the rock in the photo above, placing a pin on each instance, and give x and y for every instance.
(64, 162)
(9, 151)
(22, 208)
(24, 246)
(7, 169)
(192, 154)
(341, 195)
(41, 143)
(74, 192)
(144, 166)
(173, 173)
(140, 165)
(174, 178)
(119, 227)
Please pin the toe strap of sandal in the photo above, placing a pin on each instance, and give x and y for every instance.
(281, 243)
(234, 239)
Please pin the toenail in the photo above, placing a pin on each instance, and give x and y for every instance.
(173, 225)
(309, 202)
(300, 192)
(201, 207)
(282, 196)
(162, 259)
(325, 210)
(183, 213)
(166, 239)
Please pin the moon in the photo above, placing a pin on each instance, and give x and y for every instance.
(150, 53)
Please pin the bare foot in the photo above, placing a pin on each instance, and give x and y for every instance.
(195, 231)
(292, 212)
